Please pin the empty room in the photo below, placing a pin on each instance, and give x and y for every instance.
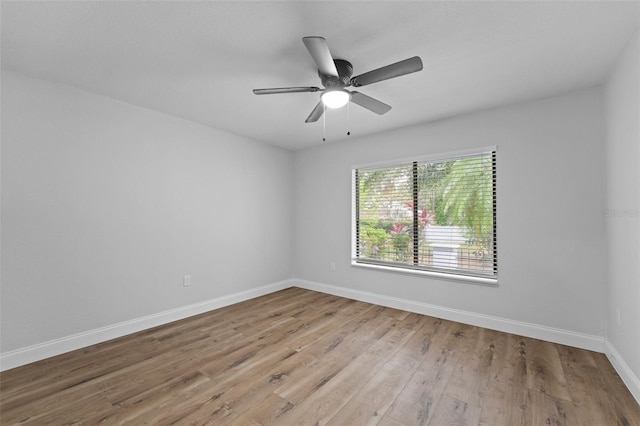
(320, 212)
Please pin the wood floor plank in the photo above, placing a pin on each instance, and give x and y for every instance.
(308, 380)
(372, 401)
(544, 369)
(271, 409)
(626, 409)
(548, 410)
(350, 335)
(414, 321)
(301, 357)
(586, 387)
(504, 399)
(232, 395)
(73, 378)
(504, 404)
(388, 421)
(411, 354)
(327, 320)
(414, 405)
(334, 355)
(330, 396)
(511, 364)
(453, 412)
(153, 400)
(238, 354)
(469, 380)
(80, 411)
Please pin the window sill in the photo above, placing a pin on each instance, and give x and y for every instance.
(491, 282)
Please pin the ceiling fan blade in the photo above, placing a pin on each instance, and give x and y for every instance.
(369, 103)
(390, 71)
(315, 114)
(317, 47)
(285, 90)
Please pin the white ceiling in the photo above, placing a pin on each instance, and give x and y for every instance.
(200, 60)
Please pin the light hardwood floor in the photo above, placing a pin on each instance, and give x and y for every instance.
(297, 357)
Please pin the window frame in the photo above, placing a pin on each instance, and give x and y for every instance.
(455, 275)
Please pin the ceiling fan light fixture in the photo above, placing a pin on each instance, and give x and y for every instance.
(335, 98)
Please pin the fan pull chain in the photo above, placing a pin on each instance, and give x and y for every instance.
(348, 117)
(324, 122)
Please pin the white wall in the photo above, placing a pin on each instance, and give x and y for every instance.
(551, 234)
(622, 96)
(105, 206)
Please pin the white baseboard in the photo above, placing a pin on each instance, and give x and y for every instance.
(555, 335)
(624, 371)
(51, 348)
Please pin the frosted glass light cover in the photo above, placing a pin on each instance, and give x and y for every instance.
(335, 98)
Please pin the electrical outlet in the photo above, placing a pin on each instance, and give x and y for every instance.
(186, 280)
(332, 266)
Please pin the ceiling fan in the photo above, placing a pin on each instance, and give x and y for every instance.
(335, 75)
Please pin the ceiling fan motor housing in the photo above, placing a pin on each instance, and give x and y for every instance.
(345, 69)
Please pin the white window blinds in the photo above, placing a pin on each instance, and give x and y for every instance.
(433, 215)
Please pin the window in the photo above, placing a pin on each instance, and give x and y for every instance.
(434, 215)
